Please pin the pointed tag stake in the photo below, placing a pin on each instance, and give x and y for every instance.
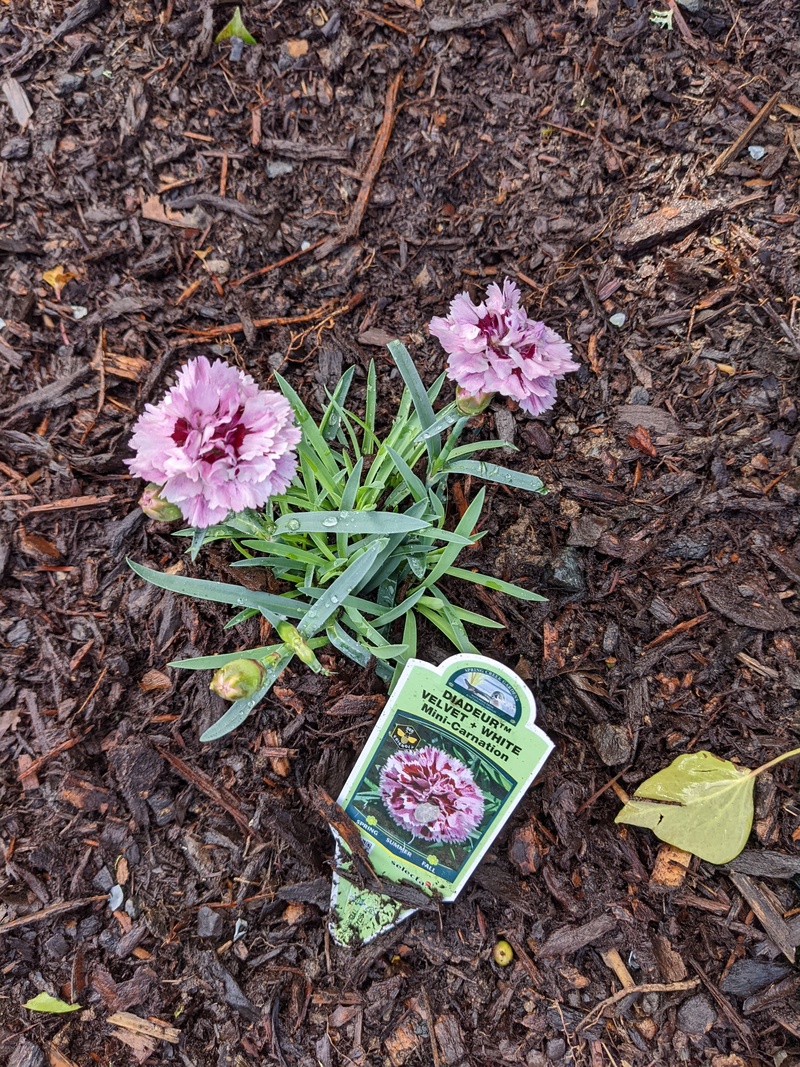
(451, 756)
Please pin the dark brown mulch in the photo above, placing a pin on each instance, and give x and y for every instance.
(530, 141)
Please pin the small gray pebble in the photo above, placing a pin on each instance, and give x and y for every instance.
(612, 743)
(16, 148)
(19, 634)
(696, 1015)
(277, 168)
(209, 923)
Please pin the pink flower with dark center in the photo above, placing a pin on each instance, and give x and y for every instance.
(216, 443)
(495, 347)
(432, 795)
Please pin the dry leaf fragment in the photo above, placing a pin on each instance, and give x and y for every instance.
(297, 48)
(153, 209)
(57, 278)
(153, 681)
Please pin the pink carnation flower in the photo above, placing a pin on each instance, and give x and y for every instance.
(432, 795)
(495, 348)
(216, 443)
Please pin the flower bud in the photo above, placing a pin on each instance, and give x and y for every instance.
(238, 679)
(502, 953)
(156, 507)
(472, 404)
(292, 638)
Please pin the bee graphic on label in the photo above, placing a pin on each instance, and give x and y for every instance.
(405, 736)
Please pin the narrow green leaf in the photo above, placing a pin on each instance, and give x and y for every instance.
(419, 395)
(495, 583)
(331, 600)
(51, 1005)
(369, 443)
(446, 418)
(218, 592)
(414, 484)
(451, 551)
(347, 645)
(700, 803)
(491, 472)
(481, 446)
(310, 430)
(331, 418)
(348, 522)
(210, 663)
(410, 641)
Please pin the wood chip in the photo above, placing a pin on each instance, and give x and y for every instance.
(17, 99)
(670, 867)
(571, 938)
(668, 223)
(762, 901)
(756, 607)
(152, 1028)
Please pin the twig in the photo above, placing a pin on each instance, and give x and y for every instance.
(321, 313)
(48, 913)
(679, 628)
(621, 994)
(278, 263)
(353, 225)
(739, 1025)
(680, 22)
(218, 794)
(65, 746)
(724, 158)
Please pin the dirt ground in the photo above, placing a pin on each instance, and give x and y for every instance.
(190, 202)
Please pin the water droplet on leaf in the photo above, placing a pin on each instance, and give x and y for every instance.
(330, 521)
(293, 524)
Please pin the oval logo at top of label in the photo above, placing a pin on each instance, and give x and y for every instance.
(489, 689)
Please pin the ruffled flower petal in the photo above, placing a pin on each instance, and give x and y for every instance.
(216, 443)
(494, 347)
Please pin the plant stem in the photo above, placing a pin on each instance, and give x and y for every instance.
(773, 762)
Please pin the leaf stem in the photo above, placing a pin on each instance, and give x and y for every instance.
(773, 762)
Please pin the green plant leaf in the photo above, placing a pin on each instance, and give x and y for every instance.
(331, 600)
(419, 395)
(464, 528)
(491, 472)
(235, 28)
(219, 592)
(51, 1005)
(494, 583)
(348, 522)
(700, 803)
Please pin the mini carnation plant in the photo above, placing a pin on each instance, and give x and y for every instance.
(352, 526)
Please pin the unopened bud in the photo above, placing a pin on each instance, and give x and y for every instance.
(238, 679)
(156, 507)
(292, 638)
(472, 403)
(502, 953)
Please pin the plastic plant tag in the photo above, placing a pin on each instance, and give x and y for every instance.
(449, 759)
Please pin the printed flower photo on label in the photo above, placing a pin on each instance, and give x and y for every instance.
(427, 796)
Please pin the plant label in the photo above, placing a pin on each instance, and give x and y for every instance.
(451, 756)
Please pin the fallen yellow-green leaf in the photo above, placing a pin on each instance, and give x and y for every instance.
(700, 803)
(51, 1005)
(235, 28)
